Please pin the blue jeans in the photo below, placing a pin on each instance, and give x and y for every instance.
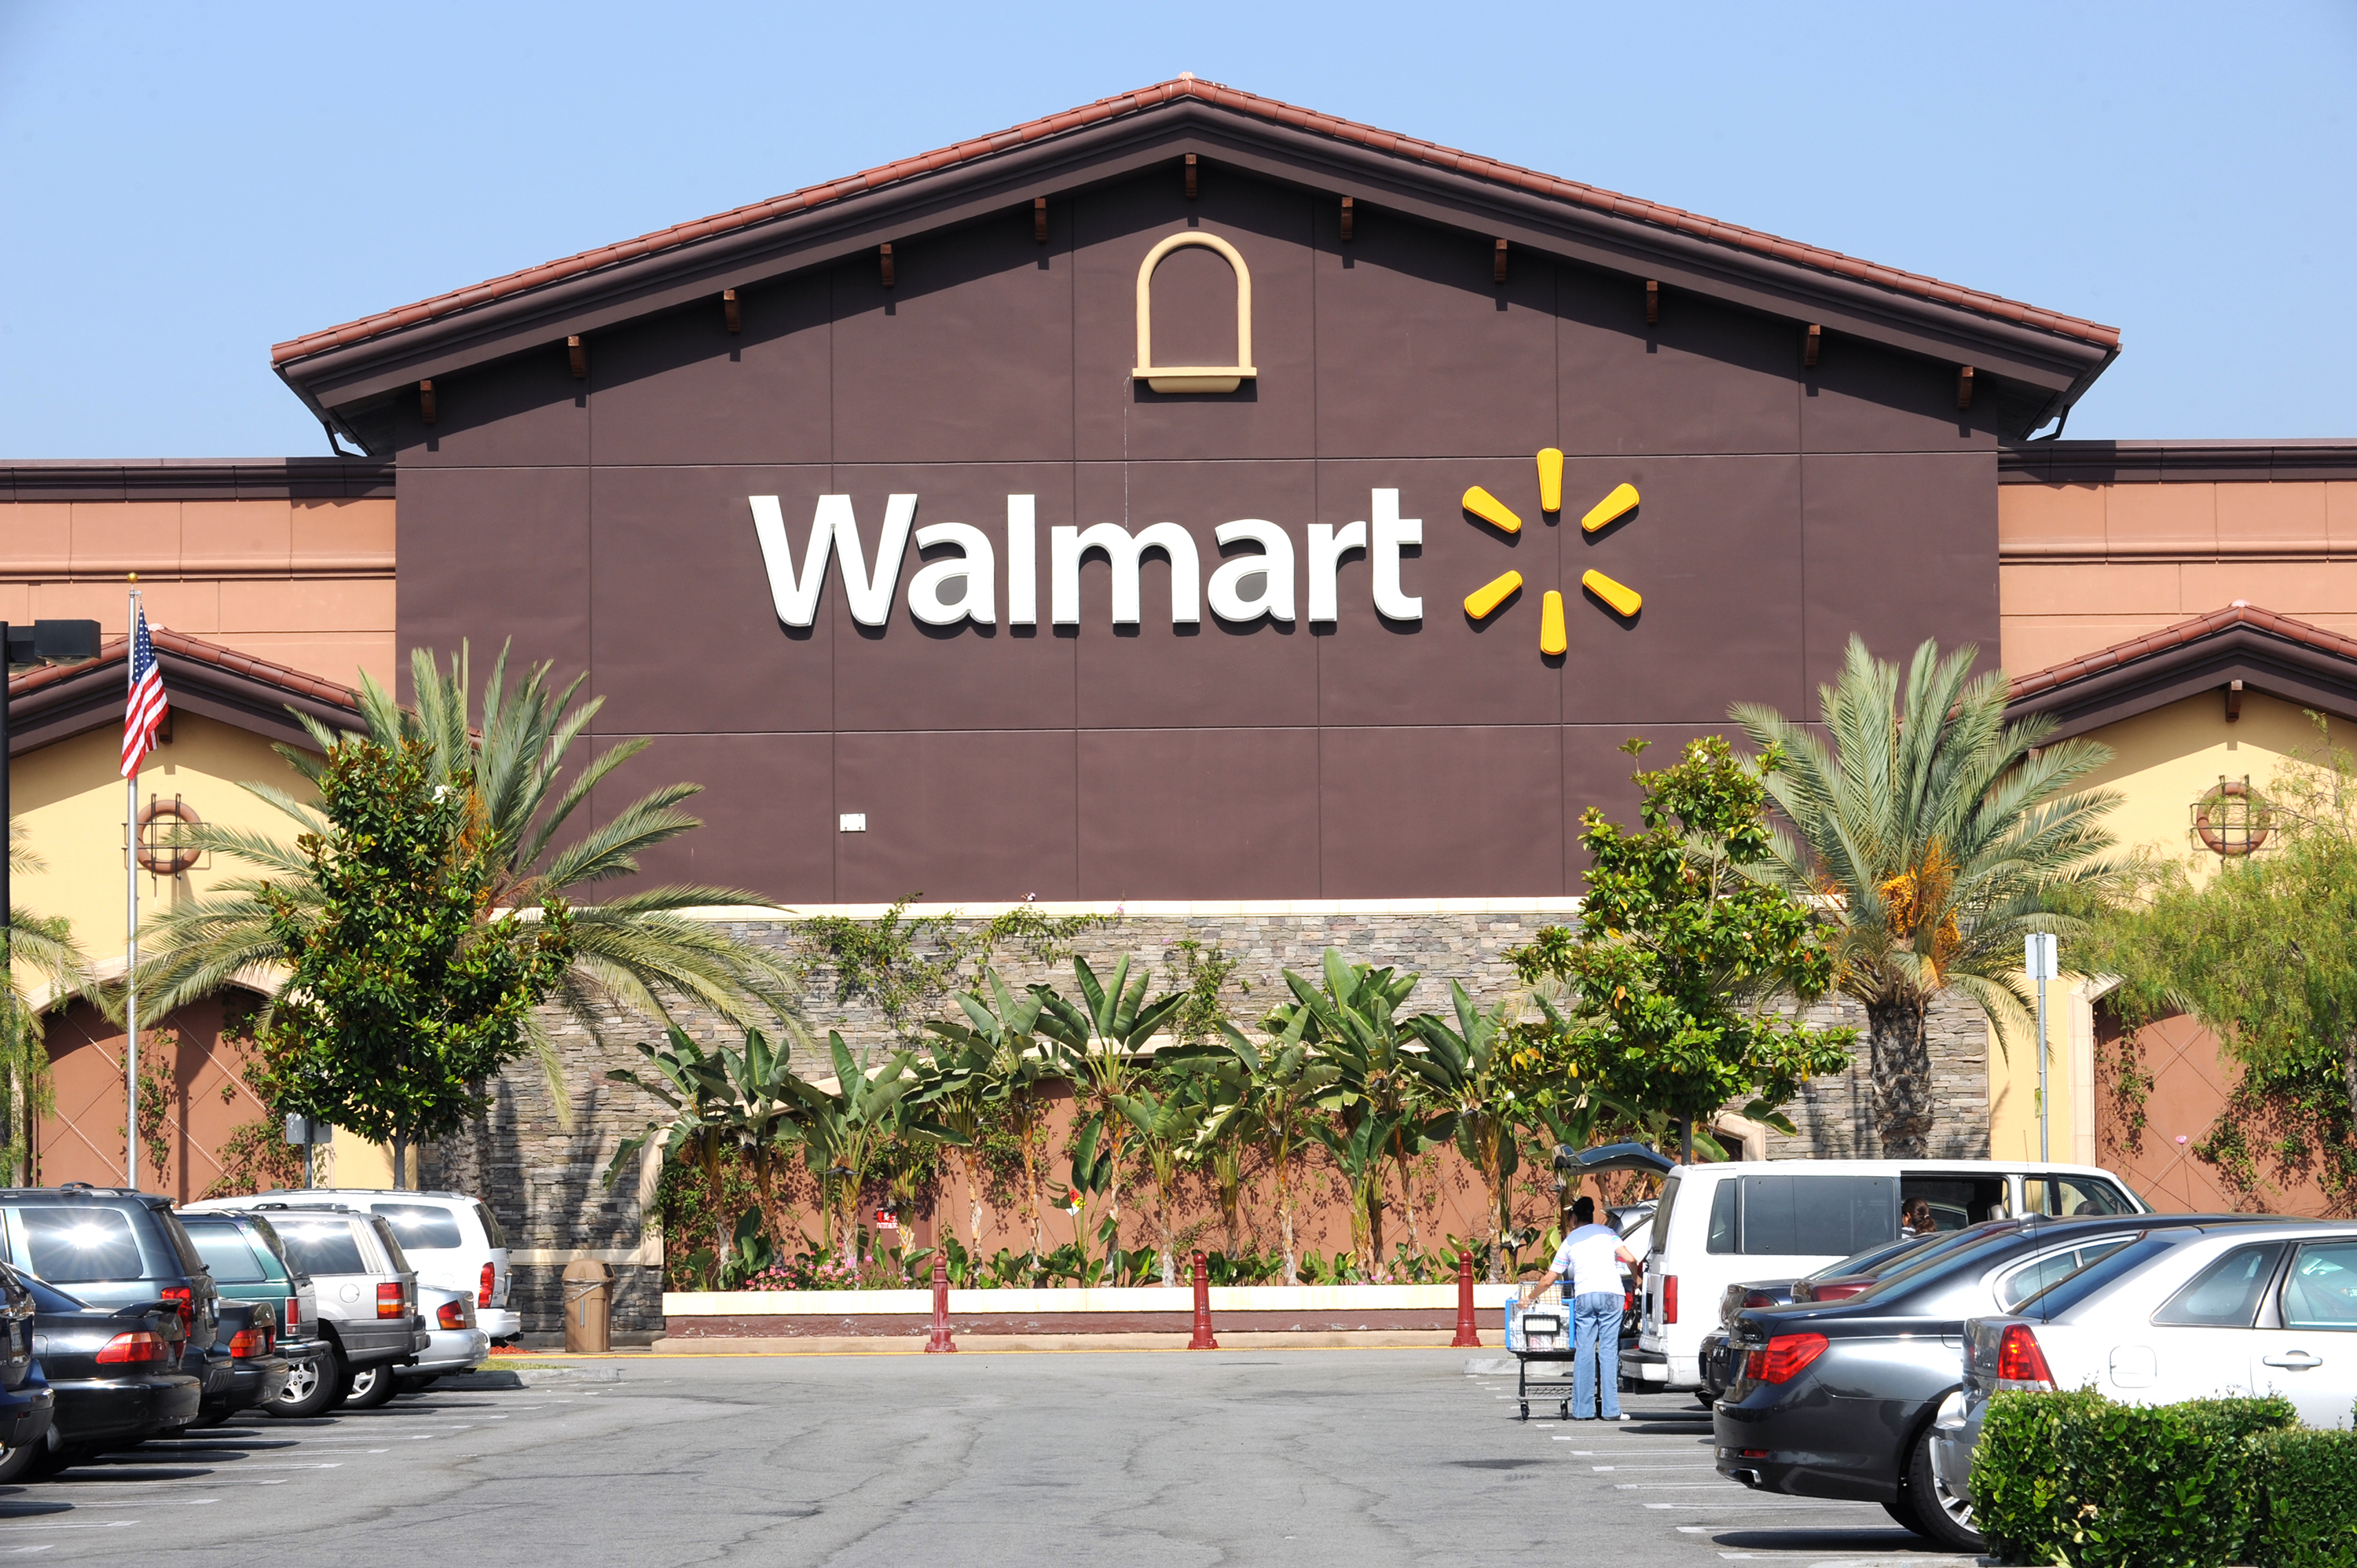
(1596, 1354)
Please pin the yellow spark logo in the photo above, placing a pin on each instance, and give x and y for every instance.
(1483, 601)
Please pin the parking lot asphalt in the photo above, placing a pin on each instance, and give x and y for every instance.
(1343, 1457)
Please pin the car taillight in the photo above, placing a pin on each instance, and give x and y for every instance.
(1758, 1298)
(1841, 1292)
(483, 1296)
(1785, 1356)
(184, 1300)
(135, 1349)
(246, 1342)
(2018, 1358)
(451, 1315)
(1668, 1298)
(388, 1300)
(294, 1310)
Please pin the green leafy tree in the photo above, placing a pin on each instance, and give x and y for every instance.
(1680, 951)
(2264, 952)
(408, 990)
(640, 951)
(1936, 835)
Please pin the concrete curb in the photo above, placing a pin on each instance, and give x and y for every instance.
(1003, 1344)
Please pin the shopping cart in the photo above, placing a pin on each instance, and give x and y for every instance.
(1540, 1330)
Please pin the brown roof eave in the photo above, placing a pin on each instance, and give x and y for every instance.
(810, 227)
(2268, 652)
(50, 703)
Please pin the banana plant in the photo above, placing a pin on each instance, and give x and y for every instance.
(845, 1126)
(695, 1088)
(1166, 1114)
(1105, 1032)
(1353, 1023)
(1284, 1088)
(997, 1059)
(1469, 1077)
(763, 1114)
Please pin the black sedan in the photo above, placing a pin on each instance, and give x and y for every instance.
(26, 1402)
(248, 1344)
(114, 1373)
(1836, 1400)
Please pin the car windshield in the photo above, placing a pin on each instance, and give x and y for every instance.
(224, 1250)
(74, 1244)
(1950, 1252)
(323, 1246)
(2071, 1289)
(421, 1225)
(258, 1226)
(1875, 1259)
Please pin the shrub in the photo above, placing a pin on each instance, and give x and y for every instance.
(2308, 1514)
(2074, 1478)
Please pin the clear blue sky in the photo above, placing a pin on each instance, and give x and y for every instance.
(183, 185)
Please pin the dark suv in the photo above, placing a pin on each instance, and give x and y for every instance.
(112, 1248)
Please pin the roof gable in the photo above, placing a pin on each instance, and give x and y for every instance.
(2268, 652)
(49, 705)
(2048, 357)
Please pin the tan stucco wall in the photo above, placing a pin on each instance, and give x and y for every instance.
(71, 796)
(2163, 762)
(2084, 566)
(305, 582)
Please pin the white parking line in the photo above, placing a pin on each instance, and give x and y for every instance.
(6, 1531)
(1612, 1469)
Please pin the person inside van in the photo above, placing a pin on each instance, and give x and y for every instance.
(1916, 1218)
(1588, 1262)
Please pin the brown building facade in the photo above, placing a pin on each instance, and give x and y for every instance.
(1050, 676)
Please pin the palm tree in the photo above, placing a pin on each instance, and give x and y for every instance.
(1282, 1088)
(1469, 1074)
(1105, 1035)
(1935, 834)
(45, 946)
(635, 953)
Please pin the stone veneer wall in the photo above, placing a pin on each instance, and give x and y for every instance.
(544, 1179)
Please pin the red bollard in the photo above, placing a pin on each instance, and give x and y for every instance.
(1202, 1340)
(941, 1339)
(1468, 1336)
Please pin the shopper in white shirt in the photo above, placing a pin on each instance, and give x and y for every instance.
(1588, 1262)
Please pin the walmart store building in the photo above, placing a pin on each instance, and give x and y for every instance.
(1263, 524)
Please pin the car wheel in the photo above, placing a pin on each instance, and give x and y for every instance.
(368, 1388)
(15, 1462)
(310, 1388)
(1941, 1514)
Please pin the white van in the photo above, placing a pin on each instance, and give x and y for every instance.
(451, 1239)
(1719, 1225)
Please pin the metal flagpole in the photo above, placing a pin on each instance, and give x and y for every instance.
(131, 938)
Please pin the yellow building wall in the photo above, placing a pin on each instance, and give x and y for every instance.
(2163, 763)
(71, 796)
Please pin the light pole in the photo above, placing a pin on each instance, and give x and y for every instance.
(2039, 959)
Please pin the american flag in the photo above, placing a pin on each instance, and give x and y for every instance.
(146, 708)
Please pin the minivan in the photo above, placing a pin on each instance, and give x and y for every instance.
(1717, 1225)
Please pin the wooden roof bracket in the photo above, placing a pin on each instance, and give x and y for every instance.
(729, 313)
(1038, 220)
(1652, 302)
(1192, 191)
(1498, 264)
(1964, 388)
(1348, 214)
(884, 260)
(425, 401)
(1810, 343)
(2234, 701)
(578, 356)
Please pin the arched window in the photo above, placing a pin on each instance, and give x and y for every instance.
(1193, 378)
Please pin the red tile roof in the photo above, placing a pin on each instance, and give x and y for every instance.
(1228, 98)
(112, 652)
(2239, 613)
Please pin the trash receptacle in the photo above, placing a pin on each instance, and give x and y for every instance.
(589, 1305)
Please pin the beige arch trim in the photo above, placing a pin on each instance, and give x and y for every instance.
(1193, 378)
